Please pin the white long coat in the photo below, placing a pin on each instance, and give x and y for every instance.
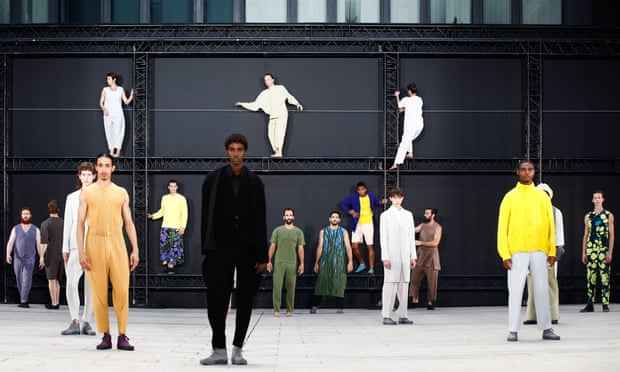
(397, 235)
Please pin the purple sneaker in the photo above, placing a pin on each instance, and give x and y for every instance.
(122, 343)
(106, 342)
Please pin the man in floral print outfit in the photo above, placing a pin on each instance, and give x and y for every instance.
(597, 250)
(174, 211)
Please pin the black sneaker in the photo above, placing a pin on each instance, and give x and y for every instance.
(605, 308)
(588, 309)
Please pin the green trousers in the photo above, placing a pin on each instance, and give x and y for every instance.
(284, 273)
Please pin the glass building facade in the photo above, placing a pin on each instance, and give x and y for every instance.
(500, 12)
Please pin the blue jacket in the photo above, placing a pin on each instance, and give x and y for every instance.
(353, 202)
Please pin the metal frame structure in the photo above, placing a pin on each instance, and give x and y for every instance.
(145, 42)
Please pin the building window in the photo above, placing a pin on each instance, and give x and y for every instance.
(450, 11)
(218, 11)
(34, 11)
(542, 12)
(125, 11)
(358, 11)
(80, 11)
(265, 11)
(405, 11)
(497, 12)
(172, 11)
(5, 12)
(311, 11)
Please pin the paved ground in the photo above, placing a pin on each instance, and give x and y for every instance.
(447, 339)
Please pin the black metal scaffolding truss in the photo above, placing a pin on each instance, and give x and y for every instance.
(533, 125)
(140, 169)
(143, 43)
(373, 165)
(307, 39)
(391, 67)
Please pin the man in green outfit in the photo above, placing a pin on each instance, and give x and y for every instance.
(284, 240)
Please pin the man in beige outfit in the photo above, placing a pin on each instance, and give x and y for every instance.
(273, 103)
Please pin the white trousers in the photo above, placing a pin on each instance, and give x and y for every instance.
(390, 290)
(406, 143)
(114, 127)
(276, 131)
(536, 263)
(74, 272)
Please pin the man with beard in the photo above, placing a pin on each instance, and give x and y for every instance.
(26, 238)
(333, 261)
(51, 253)
(284, 241)
(428, 258)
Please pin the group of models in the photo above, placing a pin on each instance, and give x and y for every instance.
(233, 232)
(233, 239)
(272, 101)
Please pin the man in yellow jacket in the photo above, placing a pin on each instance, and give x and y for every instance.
(526, 242)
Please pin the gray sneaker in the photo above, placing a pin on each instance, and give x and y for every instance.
(218, 356)
(74, 329)
(389, 321)
(87, 329)
(236, 357)
(548, 334)
(512, 337)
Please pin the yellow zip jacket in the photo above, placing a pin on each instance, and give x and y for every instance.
(525, 222)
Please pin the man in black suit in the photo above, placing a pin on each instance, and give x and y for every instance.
(234, 236)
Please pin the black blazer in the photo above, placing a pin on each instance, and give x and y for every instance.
(258, 221)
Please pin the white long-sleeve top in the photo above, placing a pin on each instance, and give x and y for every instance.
(272, 101)
(559, 227)
(69, 235)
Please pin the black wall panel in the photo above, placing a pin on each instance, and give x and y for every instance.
(194, 105)
(582, 109)
(36, 190)
(56, 100)
(469, 105)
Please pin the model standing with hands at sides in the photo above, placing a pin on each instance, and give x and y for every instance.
(73, 270)
(273, 103)
(102, 251)
(412, 125)
(597, 250)
(113, 116)
(398, 254)
(174, 211)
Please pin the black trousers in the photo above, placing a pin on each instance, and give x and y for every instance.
(218, 269)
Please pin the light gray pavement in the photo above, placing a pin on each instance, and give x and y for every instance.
(446, 339)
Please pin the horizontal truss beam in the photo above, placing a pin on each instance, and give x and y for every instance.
(306, 39)
(313, 165)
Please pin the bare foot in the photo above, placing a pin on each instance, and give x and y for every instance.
(276, 314)
(410, 155)
(289, 314)
(394, 166)
(229, 310)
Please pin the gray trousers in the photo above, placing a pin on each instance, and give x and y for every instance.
(23, 276)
